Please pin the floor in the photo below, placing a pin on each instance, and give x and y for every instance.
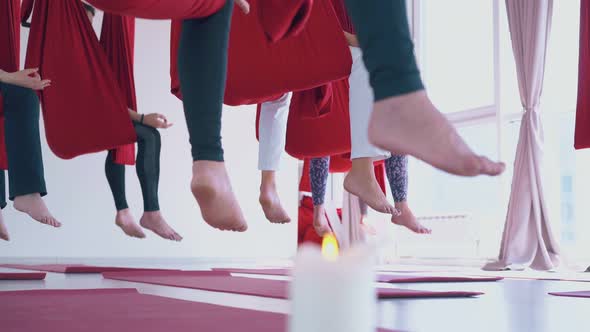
(510, 305)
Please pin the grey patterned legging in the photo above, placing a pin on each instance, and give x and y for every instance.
(396, 168)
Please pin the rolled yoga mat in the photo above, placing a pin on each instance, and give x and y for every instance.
(279, 289)
(74, 268)
(21, 276)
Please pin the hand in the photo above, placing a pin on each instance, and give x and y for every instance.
(244, 5)
(28, 78)
(156, 120)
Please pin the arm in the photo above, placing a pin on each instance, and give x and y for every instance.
(153, 120)
(28, 78)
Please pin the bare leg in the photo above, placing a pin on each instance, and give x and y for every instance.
(155, 222)
(410, 124)
(272, 130)
(3, 231)
(269, 200)
(34, 206)
(361, 182)
(212, 189)
(124, 219)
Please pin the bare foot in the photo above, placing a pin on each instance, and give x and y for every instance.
(155, 222)
(125, 220)
(212, 189)
(407, 219)
(320, 221)
(410, 124)
(34, 206)
(3, 231)
(269, 200)
(361, 182)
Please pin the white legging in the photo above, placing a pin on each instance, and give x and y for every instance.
(274, 115)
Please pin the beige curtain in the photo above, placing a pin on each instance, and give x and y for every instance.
(528, 239)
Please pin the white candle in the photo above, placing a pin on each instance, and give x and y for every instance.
(333, 294)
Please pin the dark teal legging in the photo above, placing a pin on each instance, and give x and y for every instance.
(202, 64)
(388, 50)
(23, 143)
(147, 166)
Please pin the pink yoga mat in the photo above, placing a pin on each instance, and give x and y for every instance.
(21, 276)
(278, 289)
(74, 268)
(124, 310)
(265, 272)
(584, 294)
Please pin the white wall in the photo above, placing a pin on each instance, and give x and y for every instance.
(80, 198)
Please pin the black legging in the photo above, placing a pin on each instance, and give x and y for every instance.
(388, 50)
(202, 64)
(23, 143)
(147, 165)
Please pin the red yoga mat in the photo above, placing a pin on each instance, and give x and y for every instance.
(384, 278)
(123, 310)
(74, 268)
(416, 278)
(584, 294)
(21, 276)
(278, 289)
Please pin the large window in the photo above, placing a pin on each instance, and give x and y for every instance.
(465, 53)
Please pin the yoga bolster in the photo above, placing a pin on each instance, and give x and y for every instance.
(160, 9)
(9, 57)
(117, 38)
(259, 70)
(582, 134)
(84, 110)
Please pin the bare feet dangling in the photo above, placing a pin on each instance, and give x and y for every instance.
(212, 189)
(407, 219)
(126, 222)
(410, 124)
(34, 206)
(155, 222)
(3, 231)
(269, 200)
(320, 221)
(361, 182)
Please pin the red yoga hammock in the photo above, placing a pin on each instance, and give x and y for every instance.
(259, 70)
(9, 56)
(117, 38)
(84, 110)
(160, 9)
(328, 133)
(582, 134)
(74, 268)
(21, 276)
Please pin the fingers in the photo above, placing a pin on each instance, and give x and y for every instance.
(244, 6)
(30, 71)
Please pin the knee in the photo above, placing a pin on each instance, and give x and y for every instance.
(148, 135)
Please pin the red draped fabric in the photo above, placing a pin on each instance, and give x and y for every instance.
(117, 38)
(324, 135)
(9, 56)
(582, 135)
(84, 110)
(26, 9)
(282, 19)
(160, 9)
(259, 70)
